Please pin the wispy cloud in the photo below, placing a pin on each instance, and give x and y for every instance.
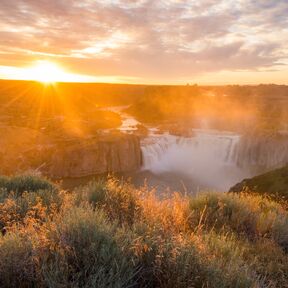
(146, 39)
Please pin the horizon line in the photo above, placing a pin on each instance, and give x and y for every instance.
(143, 84)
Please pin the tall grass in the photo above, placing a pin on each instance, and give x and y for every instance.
(109, 234)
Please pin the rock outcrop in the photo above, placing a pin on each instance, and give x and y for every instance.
(266, 152)
(273, 184)
(119, 153)
(25, 149)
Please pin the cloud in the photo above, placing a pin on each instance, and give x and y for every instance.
(146, 38)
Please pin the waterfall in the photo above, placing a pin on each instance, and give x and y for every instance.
(164, 152)
(208, 157)
(216, 158)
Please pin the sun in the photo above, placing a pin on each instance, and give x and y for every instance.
(47, 72)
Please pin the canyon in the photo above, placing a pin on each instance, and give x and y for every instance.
(25, 149)
(200, 138)
(199, 158)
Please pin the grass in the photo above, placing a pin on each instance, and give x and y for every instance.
(109, 234)
(250, 217)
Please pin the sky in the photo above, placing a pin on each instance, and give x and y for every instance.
(148, 41)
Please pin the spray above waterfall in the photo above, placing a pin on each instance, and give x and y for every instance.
(208, 157)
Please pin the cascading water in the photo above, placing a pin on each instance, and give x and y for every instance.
(158, 150)
(216, 159)
(209, 157)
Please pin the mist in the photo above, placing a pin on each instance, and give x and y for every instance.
(208, 158)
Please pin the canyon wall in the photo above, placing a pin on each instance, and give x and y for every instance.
(25, 149)
(109, 154)
(266, 152)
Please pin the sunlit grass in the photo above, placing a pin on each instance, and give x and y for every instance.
(109, 234)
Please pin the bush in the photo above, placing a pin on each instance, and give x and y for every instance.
(260, 262)
(248, 216)
(3, 181)
(119, 199)
(168, 260)
(94, 193)
(22, 183)
(37, 205)
(17, 268)
(268, 260)
(92, 256)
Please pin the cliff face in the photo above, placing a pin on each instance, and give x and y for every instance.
(267, 152)
(109, 154)
(24, 149)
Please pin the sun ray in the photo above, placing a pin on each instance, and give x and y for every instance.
(72, 123)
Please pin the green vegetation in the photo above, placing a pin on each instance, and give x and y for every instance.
(22, 183)
(109, 234)
(273, 184)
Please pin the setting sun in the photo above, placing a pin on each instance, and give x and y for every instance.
(46, 72)
(43, 71)
(49, 72)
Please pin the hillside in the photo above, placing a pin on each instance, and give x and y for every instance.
(273, 184)
(109, 234)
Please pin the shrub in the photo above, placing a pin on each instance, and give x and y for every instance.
(247, 216)
(22, 183)
(168, 260)
(94, 193)
(122, 201)
(268, 260)
(91, 254)
(38, 205)
(119, 199)
(4, 181)
(17, 268)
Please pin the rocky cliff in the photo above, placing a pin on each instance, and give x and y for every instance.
(107, 154)
(266, 152)
(24, 149)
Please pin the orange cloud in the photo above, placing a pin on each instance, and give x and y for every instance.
(150, 41)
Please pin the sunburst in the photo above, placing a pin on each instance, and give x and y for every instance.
(48, 72)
